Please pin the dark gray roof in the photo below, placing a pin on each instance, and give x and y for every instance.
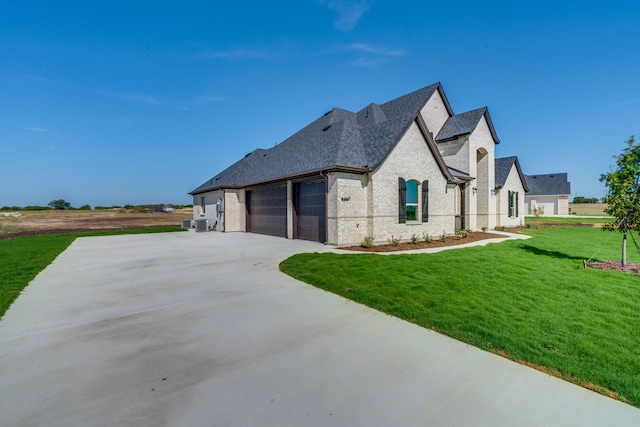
(503, 167)
(464, 124)
(549, 184)
(338, 140)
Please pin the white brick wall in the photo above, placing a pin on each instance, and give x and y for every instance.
(435, 114)
(234, 210)
(475, 154)
(412, 160)
(513, 183)
(348, 208)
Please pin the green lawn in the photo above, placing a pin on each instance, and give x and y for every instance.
(531, 300)
(567, 220)
(22, 258)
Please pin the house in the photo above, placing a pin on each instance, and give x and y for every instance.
(407, 167)
(510, 190)
(548, 192)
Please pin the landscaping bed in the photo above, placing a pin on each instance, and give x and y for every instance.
(434, 243)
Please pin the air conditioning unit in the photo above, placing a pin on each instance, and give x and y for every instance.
(202, 225)
(187, 223)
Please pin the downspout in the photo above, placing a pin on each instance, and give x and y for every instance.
(326, 207)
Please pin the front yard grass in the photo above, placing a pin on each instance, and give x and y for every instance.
(529, 300)
(22, 258)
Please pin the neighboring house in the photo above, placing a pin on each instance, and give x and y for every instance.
(549, 192)
(406, 167)
(510, 190)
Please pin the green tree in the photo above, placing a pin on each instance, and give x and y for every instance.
(59, 204)
(623, 182)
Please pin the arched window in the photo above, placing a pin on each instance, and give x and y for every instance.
(407, 200)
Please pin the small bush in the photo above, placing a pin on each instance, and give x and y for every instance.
(427, 238)
(443, 236)
(462, 234)
(394, 241)
(502, 227)
(484, 229)
(367, 242)
(414, 239)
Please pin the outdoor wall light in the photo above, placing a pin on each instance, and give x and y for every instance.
(475, 190)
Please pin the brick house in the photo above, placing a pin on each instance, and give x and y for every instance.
(408, 166)
(549, 192)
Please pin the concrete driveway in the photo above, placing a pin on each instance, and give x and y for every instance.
(201, 329)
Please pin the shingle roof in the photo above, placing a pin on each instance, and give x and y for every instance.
(549, 184)
(503, 168)
(339, 139)
(464, 124)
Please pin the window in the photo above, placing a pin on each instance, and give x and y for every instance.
(408, 201)
(412, 201)
(513, 204)
(203, 206)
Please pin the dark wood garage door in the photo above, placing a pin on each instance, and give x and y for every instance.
(267, 211)
(311, 211)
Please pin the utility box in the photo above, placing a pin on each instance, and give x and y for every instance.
(202, 225)
(187, 224)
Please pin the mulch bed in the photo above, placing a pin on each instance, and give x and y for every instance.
(615, 265)
(435, 243)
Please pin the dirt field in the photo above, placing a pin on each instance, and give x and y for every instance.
(51, 221)
(588, 208)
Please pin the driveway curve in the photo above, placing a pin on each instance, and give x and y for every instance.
(201, 329)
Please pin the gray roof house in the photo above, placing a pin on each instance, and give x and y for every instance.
(548, 192)
(407, 166)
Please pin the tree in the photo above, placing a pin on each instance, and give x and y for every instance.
(59, 204)
(623, 184)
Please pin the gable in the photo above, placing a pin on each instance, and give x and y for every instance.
(464, 124)
(436, 112)
(504, 167)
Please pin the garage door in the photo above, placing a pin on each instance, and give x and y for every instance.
(311, 211)
(267, 211)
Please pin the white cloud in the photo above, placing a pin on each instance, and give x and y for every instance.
(629, 101)
(240, 54)
(367, 48)
(349, 12)
(136, 98)
(36, 129)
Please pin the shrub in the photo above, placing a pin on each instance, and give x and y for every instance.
(367, 242)
(443, 236)
(36, 208)
(394, 241)
(502, 227)
(538, 211)
(427, 238)
(462, 233)
(414, 239)
(484, 229)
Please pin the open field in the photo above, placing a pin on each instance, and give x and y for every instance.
(54, 221)
(588, 208)
(528, 300)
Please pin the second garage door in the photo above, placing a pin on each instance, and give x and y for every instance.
(311, 211)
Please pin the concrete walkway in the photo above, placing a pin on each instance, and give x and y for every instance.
(201, 329)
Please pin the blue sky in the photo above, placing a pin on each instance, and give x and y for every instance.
(113, 103)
